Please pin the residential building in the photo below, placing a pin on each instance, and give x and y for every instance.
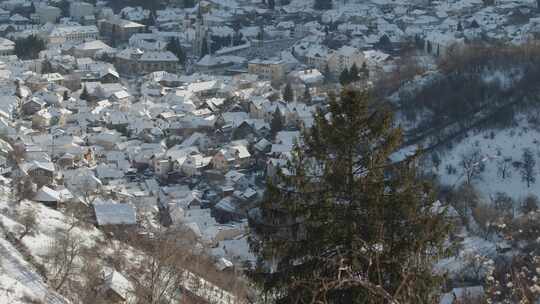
(344, 58)
(138, 62)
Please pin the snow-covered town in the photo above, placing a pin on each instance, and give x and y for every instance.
(121, 118)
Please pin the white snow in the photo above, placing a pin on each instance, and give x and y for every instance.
(507, 143)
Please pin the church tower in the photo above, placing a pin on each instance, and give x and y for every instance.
(201, 32)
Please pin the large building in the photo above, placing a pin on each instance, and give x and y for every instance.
(137, 62)
(72, 34)
(273, 70)
(344, 58)
(118, 30)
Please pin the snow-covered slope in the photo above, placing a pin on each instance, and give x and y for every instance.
(19, 281)
(495, 146)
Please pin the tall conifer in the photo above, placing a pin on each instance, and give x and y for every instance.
(341, 223)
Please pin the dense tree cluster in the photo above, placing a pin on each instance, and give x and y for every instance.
(288, 93)
(176, 48)
(322, 5)
(353, 74)
(461, 90)
(29, 47)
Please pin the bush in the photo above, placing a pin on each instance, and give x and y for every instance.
(529, 204)
(463, 199)
(504, 203)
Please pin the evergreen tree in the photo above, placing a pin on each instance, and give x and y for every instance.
(307, 96)
(204, 48)
(385, 43)
(460, 26)
(189, 3)
(260, 34)
(327, 74)
(322, 5)
(29, 47)
(288, 94)
(63, 5)
(84, 94)
(175, 47)
(238, 38)
(271, 4)
(429, 47)
(66, 95)
(277, 123)
(46, 67)
(364, 71)
(32, 8)
(344, 77)
(345, 225)
(353, 73)
(151, 18)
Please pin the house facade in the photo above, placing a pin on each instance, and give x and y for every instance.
(273, 70)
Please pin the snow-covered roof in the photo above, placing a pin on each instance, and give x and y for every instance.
(115, 214)
(309, 76)
(116, 282)
(46, 194)
(93, 45)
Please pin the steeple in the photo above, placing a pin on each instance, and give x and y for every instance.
(199, 12)
(200, 32)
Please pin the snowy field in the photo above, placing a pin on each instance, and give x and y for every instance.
(494, 147)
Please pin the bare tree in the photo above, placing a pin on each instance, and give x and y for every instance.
(503, 167)
(471, 162)
(528, 172)
(63, 254)
(529, 204)
(486, 217)
(22, 186)
(27, 218)
(89, 291)
(474, 267)
(504, 204)
(159, 275)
